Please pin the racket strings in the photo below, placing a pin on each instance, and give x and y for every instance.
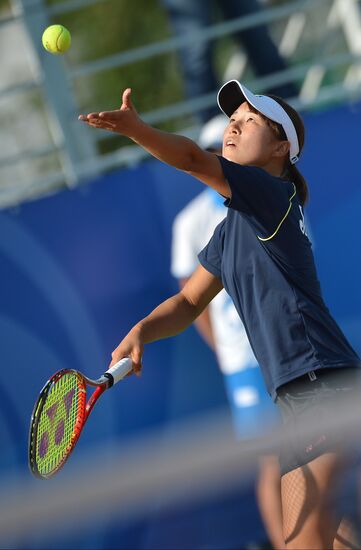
(60, 422)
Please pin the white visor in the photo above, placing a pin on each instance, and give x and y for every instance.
(233, 93)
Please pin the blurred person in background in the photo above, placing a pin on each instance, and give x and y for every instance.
(197, 59)
(252, 411)
(261, 254)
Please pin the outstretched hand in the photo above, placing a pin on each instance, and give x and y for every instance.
(123, 121)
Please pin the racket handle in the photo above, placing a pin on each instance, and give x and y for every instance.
(119, 370)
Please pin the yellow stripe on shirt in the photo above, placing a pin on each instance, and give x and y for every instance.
(283, 219)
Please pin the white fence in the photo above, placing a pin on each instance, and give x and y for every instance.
(47, 149)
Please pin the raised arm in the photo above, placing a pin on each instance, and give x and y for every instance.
(170, 318)
(178, 151)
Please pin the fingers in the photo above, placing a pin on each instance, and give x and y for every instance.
(126, 105)
(103, 115)
(93, 120)
(126, 99)
(88, 117)
(115, 115)
(109, 115)
(136, 357)
(97, 119)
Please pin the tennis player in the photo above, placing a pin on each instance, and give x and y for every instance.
(253, 413)
(262, 256)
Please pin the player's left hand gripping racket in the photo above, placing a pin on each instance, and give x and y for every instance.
(60, 414)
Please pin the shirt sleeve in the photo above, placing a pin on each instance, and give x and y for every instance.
(264, 199)
(211, 255)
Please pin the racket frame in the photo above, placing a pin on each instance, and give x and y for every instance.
(102, 384)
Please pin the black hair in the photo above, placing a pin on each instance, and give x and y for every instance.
(290, 171)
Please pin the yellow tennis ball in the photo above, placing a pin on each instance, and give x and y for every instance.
(56, 39)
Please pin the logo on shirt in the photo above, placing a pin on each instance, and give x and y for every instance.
(302, 222)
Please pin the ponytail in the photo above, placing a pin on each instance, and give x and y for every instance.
(293, 174)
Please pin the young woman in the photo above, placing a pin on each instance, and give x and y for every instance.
(262, 256)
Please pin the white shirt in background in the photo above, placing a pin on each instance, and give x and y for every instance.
(192, 229)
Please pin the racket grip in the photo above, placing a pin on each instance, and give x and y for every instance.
(120, 369)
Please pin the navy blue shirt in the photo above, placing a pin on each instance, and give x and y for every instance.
(263, 256)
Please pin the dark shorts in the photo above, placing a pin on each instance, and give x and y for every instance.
(312, 408)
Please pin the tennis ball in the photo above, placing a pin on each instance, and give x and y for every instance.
(56, 39)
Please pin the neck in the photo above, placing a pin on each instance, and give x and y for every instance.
(275, 168)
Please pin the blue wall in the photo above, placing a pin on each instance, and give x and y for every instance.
(79, 268)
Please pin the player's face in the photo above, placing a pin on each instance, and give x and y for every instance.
(248, 139)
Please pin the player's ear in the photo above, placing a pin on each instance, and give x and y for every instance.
(282, 148)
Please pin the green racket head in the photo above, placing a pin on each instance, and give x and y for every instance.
(56, 423)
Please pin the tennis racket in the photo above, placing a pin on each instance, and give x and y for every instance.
(60, 413)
